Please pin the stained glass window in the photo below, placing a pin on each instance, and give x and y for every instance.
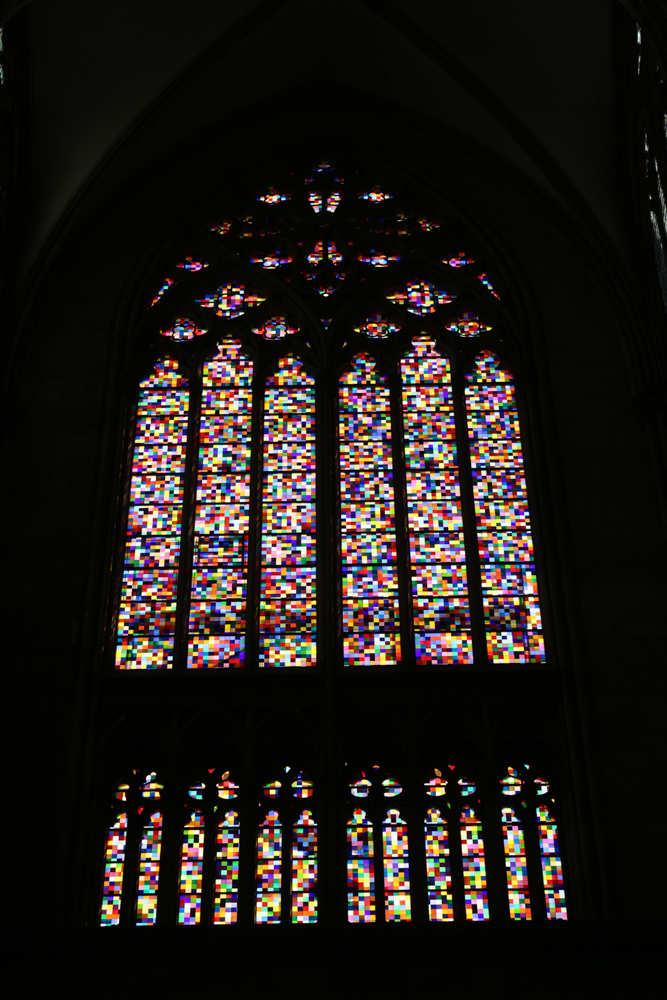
(149, 871)
(360, 869)
(304, 869)
(474, 867)
(438, 876)
(192, 866)
(271, 526)
(225, 903)
(396, 867)
(114, 864)
(516, 866)
(269, 869)
(552, 869)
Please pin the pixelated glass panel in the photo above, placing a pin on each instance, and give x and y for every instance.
(271, 789)
(377, 327)
(287, 609)
(151, 787)
(459, 260)
(302, 788)
(360, 870)
(396, 861)
(183, 329)
(552, 867)
(229, 300)
(509, 582)
(114, 865)
(217, 617)
(370, 618)
(511, 784)
(276, 328)
(147, 612)
(421, 297)
(516, 866)
(474, 867)
(486, 281)
(148, 875)
(361, 788)
(436, 784)
(191, 872)
(390, 788)
(304, 869)
(439, 581)
(226, 890)
(269, 860)
(227, 789)
(438, 874)
(468, 326)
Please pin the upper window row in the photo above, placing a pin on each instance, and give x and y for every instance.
(355, 493)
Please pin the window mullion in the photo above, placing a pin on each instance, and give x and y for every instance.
(187, 527)
(474, 577)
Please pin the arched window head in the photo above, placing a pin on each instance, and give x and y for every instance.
(326, 467)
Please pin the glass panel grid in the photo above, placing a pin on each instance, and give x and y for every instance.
(552, 869)
(474, 867)
(216, 626)
(435, 524)
(438, 875)
(360, 870)
(192, 867)
(509, 582)
(269, 859)
(370, 612)
(516, 866)
(114, 864)
(396, 867)
(287, 622)
(304, 870)
(147, 613)
(149, 871)
(225, 899)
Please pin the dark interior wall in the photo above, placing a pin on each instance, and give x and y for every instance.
(598, 520)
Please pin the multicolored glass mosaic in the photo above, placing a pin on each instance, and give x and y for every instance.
(516, 867)
(227, 789)
(370, 611)
(377, 327)
(391, 788)
(269, 860)
(287, 608)
(114, 865)
(396, 867)
(459, 260)
(361, 788)
(315, 201)
(164, 287)
(486, 281)
(276, 328)
(229, 300)
(378, 258)
(147, 613)
(271, 789)
(217, 617)
(304, 870)
(509, 580)
(435, 525)
(360, 870)
(192, 264)
(226, 892)
(149, 871)
(192, 868)
(421, 297)
(468, 325)
(552, 867)
(474, 867)
(438, 874)
(375, 195)
(151, 787)
(272, 260)
(183, 329)
(436, 785)
(333, 201)
(273, 196)
(302, 788)
(511, 783)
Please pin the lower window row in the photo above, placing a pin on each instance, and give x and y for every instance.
(441, 848)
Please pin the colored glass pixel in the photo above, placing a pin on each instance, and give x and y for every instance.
(272, 260)
(438, 875)
(269, 858)
(360, 870)
(370, 610)
(192, 867)
(192, 264)
(375, 195)
(486, 281)
(273, 196)
(459, 260)
(217, 619)
(421, 297)
(436, 785)
(474, 867)
(378, 258)
(164, 287)
(287, 609)
(511, 783)
(147, 613)
(435, 525)
(302, 788)
(304, 870)
(396, 867)
(377, 327)
(229, 300)
(149, 871)
(509, 581)
(516, 867)
(114, 864)
(226, 892)
(552, 868)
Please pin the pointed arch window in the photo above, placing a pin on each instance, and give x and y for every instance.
(250, 477)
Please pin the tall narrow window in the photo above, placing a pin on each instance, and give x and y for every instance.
(147, 614)
(218, 598)
(304, 869)
(360, 869)
(509, 582)
(516, 866)
(225, 903)
(114, 866)
(552, 870)
(149, 871)
(287, 627)
(367, 518)
(435, 523)
(269, 869)
(474, 867)
(438, 876)
(192, 869)
(396, 867)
